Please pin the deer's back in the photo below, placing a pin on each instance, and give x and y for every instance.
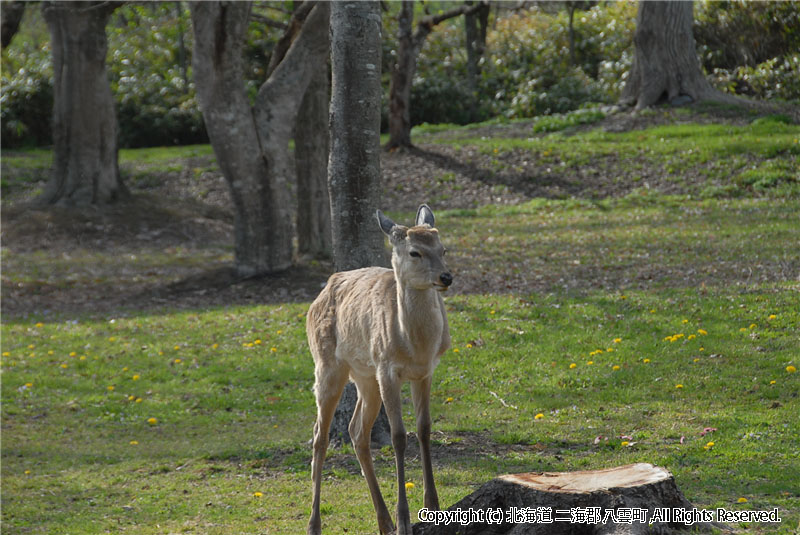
(353, 317)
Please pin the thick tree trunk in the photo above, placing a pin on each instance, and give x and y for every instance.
(311, 160)
(85, 168)
(602, 502)
(10, 18)
(665, 65)
(354, 165)
(252, 145)
(354, 172)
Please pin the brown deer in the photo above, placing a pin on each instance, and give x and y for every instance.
(381, 327)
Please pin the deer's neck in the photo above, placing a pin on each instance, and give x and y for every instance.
(420, 317)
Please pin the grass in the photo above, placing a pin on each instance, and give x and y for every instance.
(233, 415)
(687, 307)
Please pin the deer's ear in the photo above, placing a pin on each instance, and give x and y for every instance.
(425, 216)
(386, 224)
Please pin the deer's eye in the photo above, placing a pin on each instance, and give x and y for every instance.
(415, 254)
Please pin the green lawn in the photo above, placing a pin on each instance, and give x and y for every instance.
(648, 328)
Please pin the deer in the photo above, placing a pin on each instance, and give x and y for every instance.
(380, 328)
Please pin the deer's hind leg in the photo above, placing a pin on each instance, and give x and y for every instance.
(367, 408)
(328, 386)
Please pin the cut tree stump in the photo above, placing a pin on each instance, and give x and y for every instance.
(571, 503)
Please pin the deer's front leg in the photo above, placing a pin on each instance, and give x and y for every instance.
(421, 394)
(390, 392)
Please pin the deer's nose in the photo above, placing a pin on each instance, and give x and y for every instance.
(446, 278)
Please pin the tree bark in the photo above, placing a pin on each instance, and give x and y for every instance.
(665, 65)
(10, 19)
(85, 167)
(354, 164)
(408, 49)
(475, 27)
(638, 486)
(311, 161)
(252, 143)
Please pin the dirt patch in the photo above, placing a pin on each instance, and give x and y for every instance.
(171, 244)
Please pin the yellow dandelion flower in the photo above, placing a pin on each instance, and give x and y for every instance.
(609, 350)
(257, 341)
(449, 400)
(51, 352)
(753, 326)
(131, 398)
(685, 321)
(28, 385)
(773, 382)
(64, 366)
(32, 346)
(135, 377)
(590, 363)
(112, 339)
(39, 325)
(27, 472)
(679, 385)
(691, 337)
(617, 340)
(134, 442)
(709, 446)
(161, 353)
(257, 494)
(696, 360)
(138, 400)
(214, 346)
(125, 369)
(791, 369)
(110, 388)
(652, 311)
(702, 331)
(538, 416)
(274, 349)
(176, 348)
(772, 317)
(624, 443)
(469, 346)
(743, 329)
(455, 350)
(83, 357)
(615, 368)
(646, 361)
(72, 354)
(409, 485)
(623, 296)
(741, 500)
(152, 421)
(491, 312)
(6, 354)
(280, 331)
(177, 361)
(679, 335)
(702, 349)
(573, 365)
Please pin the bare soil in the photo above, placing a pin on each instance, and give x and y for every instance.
(183, 223)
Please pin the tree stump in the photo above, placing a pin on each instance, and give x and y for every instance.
(381, 434)
(623, 500)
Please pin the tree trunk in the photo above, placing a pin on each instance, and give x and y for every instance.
(10, 18)
(85, 168)
(475, 26)
(311, 162)
(408, 48)
(252, 144)
(354, 165)
(402, 77)
(665, 65)
(565, 503)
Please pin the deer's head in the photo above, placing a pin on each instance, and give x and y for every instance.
(417, 253)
